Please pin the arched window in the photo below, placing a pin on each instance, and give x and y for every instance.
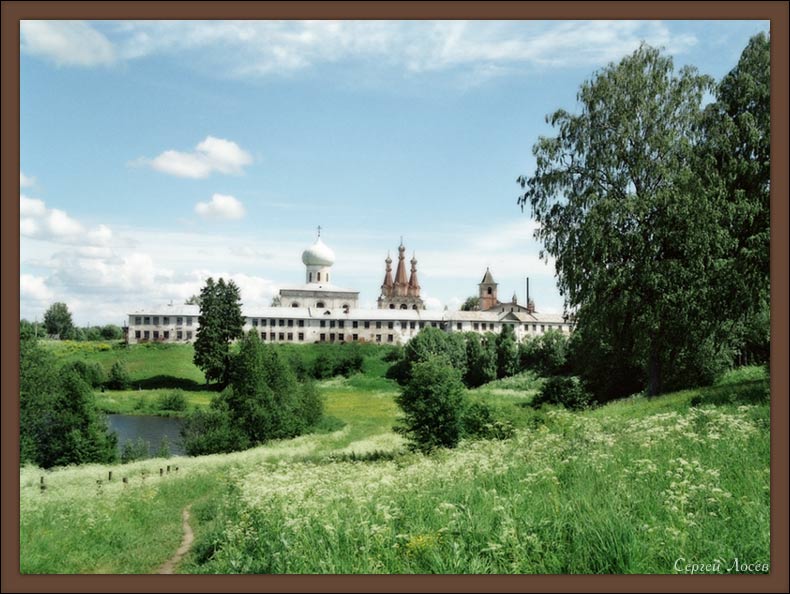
(311, 277)
(345, 307)
(404, 306)
(294, 304)
(392, 306)
(327, 277)
(320, 304)
(489, 290)
(319, 277)
(414, 306)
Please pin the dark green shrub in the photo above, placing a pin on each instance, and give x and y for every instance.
(481, 361)
(174, 400)
(211, 432)
(311, 405)
(323, 366)
(393, 354)
(567, 391)
(92, 373)
(119, 377)
(480, 421)
(432, 404)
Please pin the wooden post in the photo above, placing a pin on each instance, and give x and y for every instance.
(161, 471)
(109, 475)
(42, 480)
(168, 468)
(176, 468)
(125, 481)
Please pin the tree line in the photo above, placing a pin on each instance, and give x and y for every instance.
(58, 323)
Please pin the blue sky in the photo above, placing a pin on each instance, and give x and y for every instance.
(154, 154)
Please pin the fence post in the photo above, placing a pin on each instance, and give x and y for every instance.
(161, 471)
(109, 475)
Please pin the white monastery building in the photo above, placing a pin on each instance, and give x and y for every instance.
(319, 311)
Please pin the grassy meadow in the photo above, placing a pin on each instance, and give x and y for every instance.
(629, 487)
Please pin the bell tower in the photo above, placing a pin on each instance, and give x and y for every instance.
(488, 291)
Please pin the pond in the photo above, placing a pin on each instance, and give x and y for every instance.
(150, 428)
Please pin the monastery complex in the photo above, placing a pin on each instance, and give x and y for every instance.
(320, 311)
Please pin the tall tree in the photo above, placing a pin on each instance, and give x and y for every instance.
(481, 361)
(57, 321)
(619, 207)
(506, 352)
(220, 322)
(58, 420)
(735, 163)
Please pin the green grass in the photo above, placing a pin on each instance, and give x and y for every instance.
(146, 402)
(625, 488)
(150, 365)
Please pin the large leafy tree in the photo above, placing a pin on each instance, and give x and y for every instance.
(735, 162)
(58, 420)
(220, 322)
(637, 242)
(57, 321)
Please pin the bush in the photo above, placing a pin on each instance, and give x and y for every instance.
(481, 361)
(119, 377)
(547, 354)
(432, 405)
(323, 367)
(428, 343)
(92, 373)
(393, 354)
(174, 400)
(135, 450)
(164, 448)
(567, 391)
(211, 432)
(479, 421)
(345, 360)
(311, 405)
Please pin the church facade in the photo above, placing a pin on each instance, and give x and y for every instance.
(320, 311)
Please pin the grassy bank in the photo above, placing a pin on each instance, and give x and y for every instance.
(626, 488)
(151, 402)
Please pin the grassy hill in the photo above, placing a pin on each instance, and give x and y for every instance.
(626, 488)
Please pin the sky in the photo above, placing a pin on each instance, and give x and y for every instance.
(155, 154)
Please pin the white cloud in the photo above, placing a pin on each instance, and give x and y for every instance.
(244, 49)
(31, 207)
(33, 288)
(66, 43)
(103, 283)
(220, 207)
(213, 154)
(52, 224)
(25, 181)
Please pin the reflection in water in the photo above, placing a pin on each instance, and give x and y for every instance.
(151, 428)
